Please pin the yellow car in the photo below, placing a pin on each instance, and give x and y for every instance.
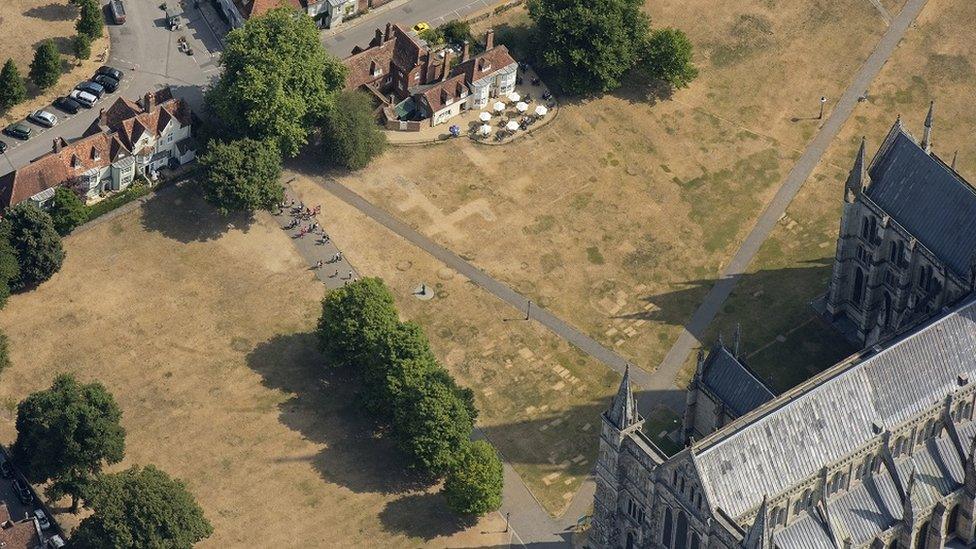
(421, 27)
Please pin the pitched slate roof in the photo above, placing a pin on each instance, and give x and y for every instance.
(930, 200)
(484, 63)
(789, 439)
(731, 381)
(401, 50)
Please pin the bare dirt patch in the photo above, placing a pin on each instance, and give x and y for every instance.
(204, 337)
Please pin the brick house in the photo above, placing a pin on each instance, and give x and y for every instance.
(327, 13)
(22, 534)
(126, 140)
(415, 85)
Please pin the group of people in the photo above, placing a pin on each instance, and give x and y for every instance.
(301, 213)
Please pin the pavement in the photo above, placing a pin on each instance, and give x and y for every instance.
(359, 31)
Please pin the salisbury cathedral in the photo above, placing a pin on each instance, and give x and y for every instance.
(877, 451)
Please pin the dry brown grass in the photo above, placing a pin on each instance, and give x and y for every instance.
(24, 24)
(620, 213)
(204, 339)
(539, 400)
(933, 62)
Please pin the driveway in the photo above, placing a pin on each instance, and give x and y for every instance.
(146, 52)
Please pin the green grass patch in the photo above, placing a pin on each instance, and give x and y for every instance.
(594, 256)
(659, 425)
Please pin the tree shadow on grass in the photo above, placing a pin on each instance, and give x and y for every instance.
(423, 515)
(53, 12)
(182, 214)
(324, 407)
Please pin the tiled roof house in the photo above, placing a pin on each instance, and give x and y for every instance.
(125, 140)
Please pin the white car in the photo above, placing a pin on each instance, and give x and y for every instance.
(54, 542)
(42, 519)
(43, 118)
(85, 98)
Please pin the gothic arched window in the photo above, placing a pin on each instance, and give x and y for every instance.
(858, 286)
(668, 527)
(681, 532)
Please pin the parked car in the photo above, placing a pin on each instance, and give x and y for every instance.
(3, 149)
(421, 27)
(55, 542)
(118, 11)
(110, 71)
(42, 519)
(43, 118)
(91, 87)
(86, 99)
(6, 468)
(23, 492)
(110, 84)
(67, 104)
(19, 130)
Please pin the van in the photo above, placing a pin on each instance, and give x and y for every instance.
(118, 11)
(86, 99)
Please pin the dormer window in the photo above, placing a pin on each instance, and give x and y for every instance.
(374, 69)
(96, 155)
(75, 161)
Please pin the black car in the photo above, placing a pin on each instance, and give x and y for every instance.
(3, 147)
(23, 492)
(110, 71)
(18, 130)
(91, 87)
(6, 469)
(110, 84)
(67, 104)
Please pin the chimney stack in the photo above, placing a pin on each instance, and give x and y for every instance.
(489, 39)
(149, 101)
(56, 146)
(102, 119)
(447, 64)
(389, 32)
(465, 52)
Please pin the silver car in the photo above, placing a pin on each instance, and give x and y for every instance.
(43, 118)
(86, 99)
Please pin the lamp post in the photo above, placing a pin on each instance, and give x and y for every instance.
(528, 307)
(506, 520)
(823, 101)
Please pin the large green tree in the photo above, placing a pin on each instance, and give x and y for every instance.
(350, 135)
(67, 211)
(588, 44)
(37, 243)
(277, 80)
(669, 57)
(12, 87)
(432, 421)
(90, 23)
(45, 69)
(9, 266)
(242, 175)
(474, 485)
(355, 318)
(66, 434)
(403, 353)
(82, 45)
(141, 509)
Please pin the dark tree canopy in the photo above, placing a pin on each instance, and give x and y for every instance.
(432, 422)
(474, 485)
(141, 509)
(82, 45)
(588, 44)
(12, 87)
(350, 134)
(277, 79)
(67, 211)
(354, 319)
(45, 69)
(242, 175)
(66, 434)
(669, 57)
(402, 353)
(9, 266)
(90, 23)
(38, 245)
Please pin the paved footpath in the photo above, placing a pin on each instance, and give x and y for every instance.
(316, 246)
(664, 376)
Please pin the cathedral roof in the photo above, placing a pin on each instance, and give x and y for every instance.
(734, 383)
(788, 440)
(926, 197)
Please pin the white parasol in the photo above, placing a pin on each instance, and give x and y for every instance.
(485, 129)
(521, 107)
(499, 106)
(512, 126)
(484, 117)
(514, 97)
(541, 110)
